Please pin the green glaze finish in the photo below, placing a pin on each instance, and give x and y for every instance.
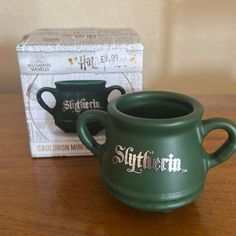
(73, 98)
(153, 158)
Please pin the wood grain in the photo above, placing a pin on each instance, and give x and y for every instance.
(66, 196)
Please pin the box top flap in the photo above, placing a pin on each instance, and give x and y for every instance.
(77, 39)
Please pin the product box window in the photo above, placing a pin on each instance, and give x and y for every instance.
(65, 72)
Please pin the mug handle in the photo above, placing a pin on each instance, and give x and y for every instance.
(85, 136)
(53, 91)
(228, 147)
(114, 87)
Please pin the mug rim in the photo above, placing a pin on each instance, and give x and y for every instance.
(75, 83)
(193, 116)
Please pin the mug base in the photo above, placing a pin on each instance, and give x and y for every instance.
(70, 127)
(67, 127)
(157, 205)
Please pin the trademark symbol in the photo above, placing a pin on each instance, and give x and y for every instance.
(184, 170)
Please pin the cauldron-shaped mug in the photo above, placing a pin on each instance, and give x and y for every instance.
(153, 158)
(73, 97)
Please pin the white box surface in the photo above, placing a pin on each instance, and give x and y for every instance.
(49, 55)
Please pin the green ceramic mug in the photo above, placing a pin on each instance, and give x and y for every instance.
(73, 97)
(153, 158)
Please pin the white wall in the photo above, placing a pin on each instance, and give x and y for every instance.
(190, 45)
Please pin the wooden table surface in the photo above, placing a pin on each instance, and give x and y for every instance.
(60, 196)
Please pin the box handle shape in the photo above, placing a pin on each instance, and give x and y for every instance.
(53, 91)
(114, 87)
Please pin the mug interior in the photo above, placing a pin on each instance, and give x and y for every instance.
(155, 107)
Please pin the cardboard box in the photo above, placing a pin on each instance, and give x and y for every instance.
(52, 61)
